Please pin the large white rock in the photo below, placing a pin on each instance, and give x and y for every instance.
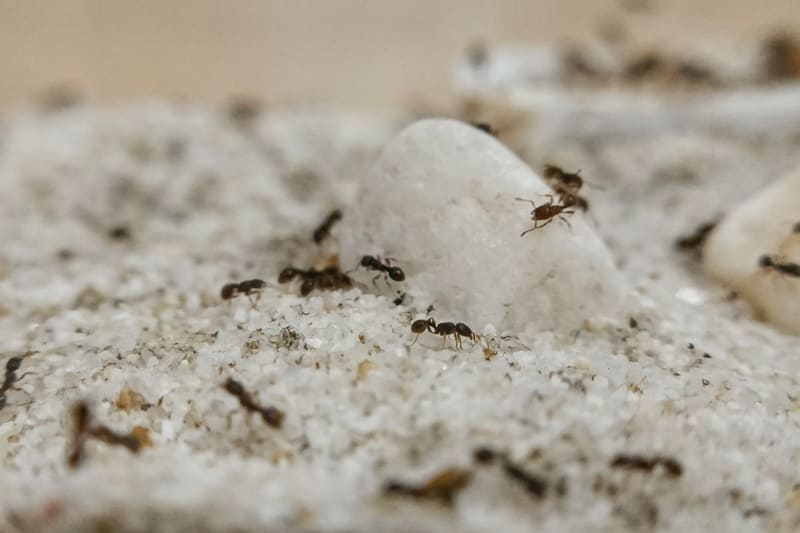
(440, 199)
(763, 225)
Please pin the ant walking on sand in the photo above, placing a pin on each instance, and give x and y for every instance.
(12, 365)
(382, 267)
(327, 279)
(84, 428)
(248, 287)
(445, 329)
(271, 415)
(546, 212)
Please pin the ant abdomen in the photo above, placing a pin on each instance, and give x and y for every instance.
(396, 273)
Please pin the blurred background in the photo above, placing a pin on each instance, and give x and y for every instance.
(362, 52)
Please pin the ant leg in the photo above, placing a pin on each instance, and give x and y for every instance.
(525, 200)
(459, 346)
(373, 281)
(549, 220)
(415, 339)
(386, 280)
(565, 221)
(535, 226)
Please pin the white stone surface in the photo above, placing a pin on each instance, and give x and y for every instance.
(441, 200)
(762, 225)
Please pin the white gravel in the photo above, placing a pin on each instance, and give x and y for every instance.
(691, 375)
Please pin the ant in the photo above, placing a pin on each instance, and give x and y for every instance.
(12, 365)
(248, 287)
(697, 238)
(444, 329)
(774, 263)
(486, 128)
(324, 229)
(84, 428)
(442, 486)
(639, 462)
(547, 212)
(388, 271)
(533, 483)
(328, 279)
(271, 415)
(567, 185)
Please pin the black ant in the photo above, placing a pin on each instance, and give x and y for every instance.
(547, 212)
(327, 279)
(458, 330)
(374, 263)
(533, 483)
(774, 263)
(697, 238)
(271, 415)
(640, 462)
(324, 229)
(486, 128)
(248, 287)
(12, 365)
(84, 428)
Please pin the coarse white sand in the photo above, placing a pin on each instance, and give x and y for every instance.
(686, 373)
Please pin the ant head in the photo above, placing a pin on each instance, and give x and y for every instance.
(287, 274)
(396, 273)
(234, 387)
(13, 364)
(765, 261)
(368, 260)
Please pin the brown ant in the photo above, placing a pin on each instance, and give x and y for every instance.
(248, 287)
(567, 185)
(327, 279)
(83, 429)
(445, 329)
(442, 486)
(324, 229)
(374, 263)
(774, 263)
(271, 415)
(547, 212)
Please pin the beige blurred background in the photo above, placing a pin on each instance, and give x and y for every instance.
(364, 52)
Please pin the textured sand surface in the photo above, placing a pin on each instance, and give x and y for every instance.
(135, 325)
